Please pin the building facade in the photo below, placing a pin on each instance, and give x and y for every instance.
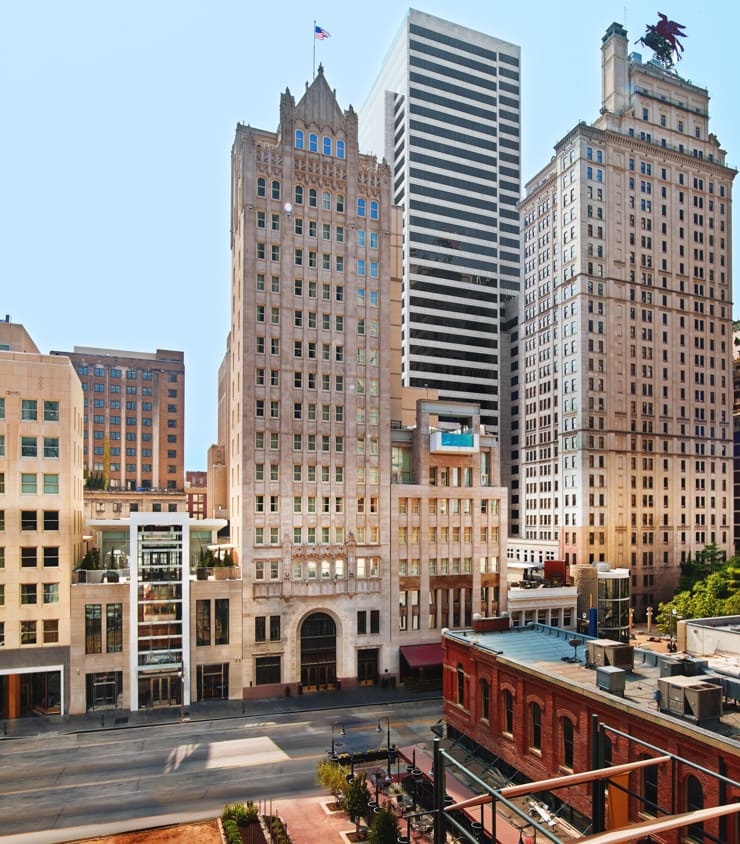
(196, 491)
(40, 523)
(445, 113)
(625, 341)
(309, 398)
(523, 702)
(134, 417)
(154, 628)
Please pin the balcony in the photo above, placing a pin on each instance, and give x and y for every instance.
(454, 442)
(93, 576)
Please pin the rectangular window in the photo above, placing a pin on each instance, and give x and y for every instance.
(28, 447)
(202, 623)
(51, 556)
(28, 633)
(51, 519)
(274, 628)
(51, 484)
(28, 520)
(266, 670)
(114, 628)
(51, 411)
(28, 410)
(51, 593)
(93, 629)
(51, 446)
(221, 618)
(28, 483)
(28, 593)
(260, 629)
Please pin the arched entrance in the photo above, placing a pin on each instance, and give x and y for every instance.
(318, 653)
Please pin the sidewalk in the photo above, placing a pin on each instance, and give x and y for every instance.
(208, 711)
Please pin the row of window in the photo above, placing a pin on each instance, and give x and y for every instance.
(131, 374)
(94, 628)
(447, 565)
(443, 506)
(30, 484)
(30, 520)
(30, 410)
(29, 556)
(30, 446)
(28, 631)
(325, 569)
(30, 593)
(311, 143)
(311, 198)
(445, 534)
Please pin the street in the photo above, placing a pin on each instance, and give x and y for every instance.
(61, 781)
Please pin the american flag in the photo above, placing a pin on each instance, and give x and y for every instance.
(321, 33)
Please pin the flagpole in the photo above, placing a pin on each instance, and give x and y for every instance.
(313, 34)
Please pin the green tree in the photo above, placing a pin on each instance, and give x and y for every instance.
(331, 777)
(384, 827)
(716, 594)
(357, 799)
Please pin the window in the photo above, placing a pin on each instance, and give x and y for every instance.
(202, 623)
(460, 685)
(28, 632)
(299, 138)
(51, 631)
(93, 629)
(340, 149)
(276, 189)
(51, 519)
(485, 699)
(375, 621)
(327, 146)
(361, 207)
(28, 520)
(51, 411)
(221, 619)
(28, 410)
(260, 629)
(535, 726)
(28, 557)
(650, 789)
(373, 210)
(567, 742)
(28, 593)
(508, 712)
(28, 447)
(313, 143)
(340, 202)
(51, 593)
(266, 670)
(274, 628)
(51, 446)
(51, 484)
(2, 445)
(28, 483)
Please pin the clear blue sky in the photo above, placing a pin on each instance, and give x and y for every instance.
(117, 123)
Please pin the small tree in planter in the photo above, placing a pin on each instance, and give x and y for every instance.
(356, 800)
(331, 777)
(384, 827)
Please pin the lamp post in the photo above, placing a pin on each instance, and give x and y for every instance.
(674, 631)
(342, 733)
(379, 729)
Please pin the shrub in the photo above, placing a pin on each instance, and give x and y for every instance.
(231, 829)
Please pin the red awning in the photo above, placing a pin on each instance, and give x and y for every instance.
(422, 656)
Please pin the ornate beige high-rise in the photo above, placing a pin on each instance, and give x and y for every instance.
(625, 339)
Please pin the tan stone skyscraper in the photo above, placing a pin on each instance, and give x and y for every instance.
(40, 522)
(625, 339)
(308, 403)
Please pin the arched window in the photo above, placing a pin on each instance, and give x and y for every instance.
(373, 210)
(326, 201)
(261, 186)
(340, 149)
(535, 726)
(299, 194)
(566, 733)
(327, 145)
(299, 138)
(694, 801)
(360, 207)
(340, 202)
(650, 789)
(485, 699)
(460, 685)
(508, 712)
(313, 143)
(276, 189)
(312, 197)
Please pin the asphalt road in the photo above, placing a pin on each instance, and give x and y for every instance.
(58, 787)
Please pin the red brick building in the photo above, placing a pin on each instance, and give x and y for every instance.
(519, 697)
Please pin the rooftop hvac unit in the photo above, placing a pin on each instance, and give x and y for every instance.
(690, 698)
(670, 666)
(694, 666)
(609, 652)
(611, 679)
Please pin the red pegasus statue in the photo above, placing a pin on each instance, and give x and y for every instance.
(663, 40)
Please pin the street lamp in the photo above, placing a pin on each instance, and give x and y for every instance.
(379, 729)
(342, 733)
(674, 630)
